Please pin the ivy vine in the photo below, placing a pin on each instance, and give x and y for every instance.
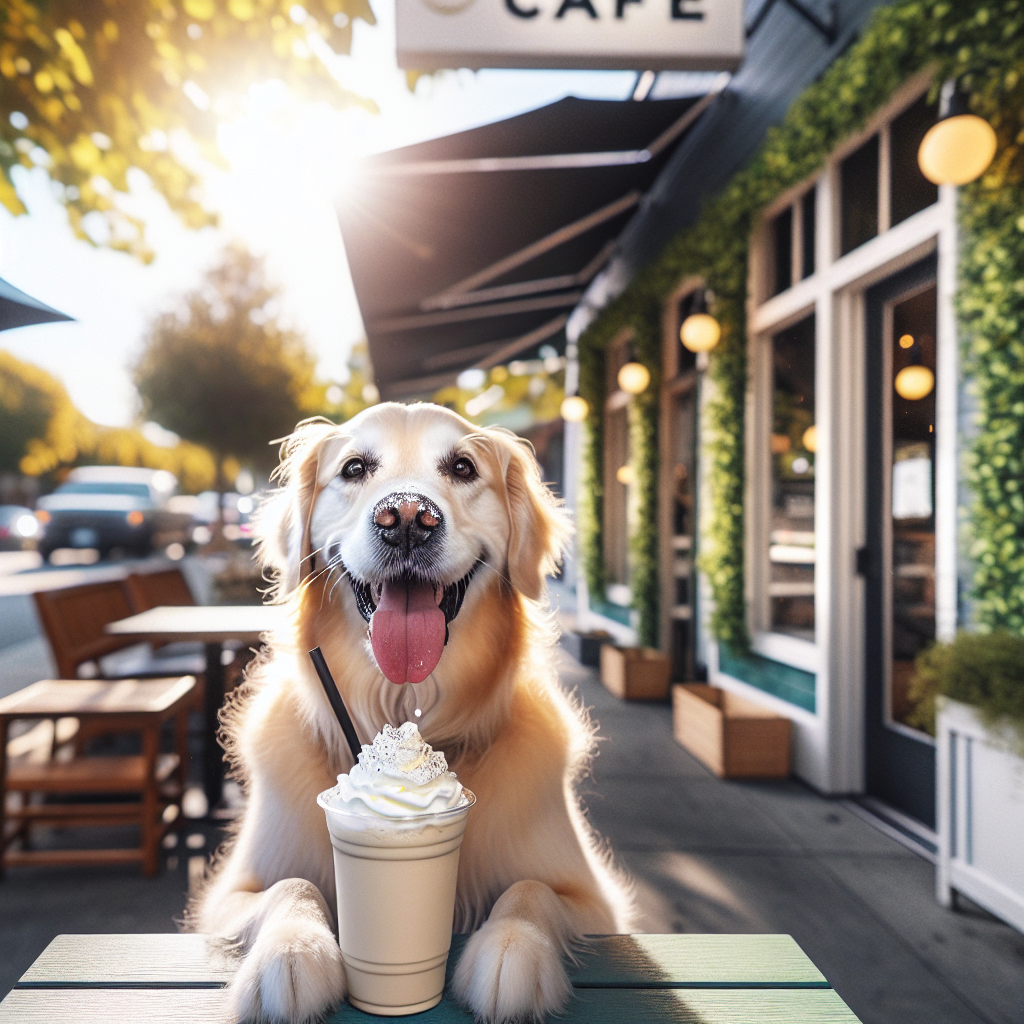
(982, 45)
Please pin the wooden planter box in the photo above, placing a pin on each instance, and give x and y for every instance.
(980, 804)
(635, 673)
(734, 737)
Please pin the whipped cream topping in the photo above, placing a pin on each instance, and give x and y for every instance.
(398, 775)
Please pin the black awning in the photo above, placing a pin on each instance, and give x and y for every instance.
(472, 249)
(19, 310)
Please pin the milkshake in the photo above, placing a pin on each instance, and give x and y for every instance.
(396, 822)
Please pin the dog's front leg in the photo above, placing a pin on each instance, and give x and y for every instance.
(512, 967)
(291, 969)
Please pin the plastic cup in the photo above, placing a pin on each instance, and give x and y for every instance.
(395, 880)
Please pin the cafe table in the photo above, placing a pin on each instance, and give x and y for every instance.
(212, 625)
(618, 979)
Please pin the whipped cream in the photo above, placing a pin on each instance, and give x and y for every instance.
(397, 776)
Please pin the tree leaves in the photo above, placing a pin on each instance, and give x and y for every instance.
(101, 86)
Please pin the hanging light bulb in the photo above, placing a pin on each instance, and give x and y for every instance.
(625, 475)
(700, 331)
(810, 439)
(574, 409)
(914, 382)
(959, 147)
(633, 378)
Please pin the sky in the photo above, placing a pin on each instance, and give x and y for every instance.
(287, 161)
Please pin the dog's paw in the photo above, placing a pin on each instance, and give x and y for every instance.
(511, 970)
(292, 974)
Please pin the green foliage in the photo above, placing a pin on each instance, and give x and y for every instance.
(41, 432)
(532, 393)
(221, 372)
(342, 403)
(100, 86)
(981, 45)
(985, 670)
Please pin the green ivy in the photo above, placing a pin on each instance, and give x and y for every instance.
(983, 46)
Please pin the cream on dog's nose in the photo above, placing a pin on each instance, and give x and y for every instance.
(406, 520)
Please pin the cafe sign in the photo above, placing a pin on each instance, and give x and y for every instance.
(659, 35)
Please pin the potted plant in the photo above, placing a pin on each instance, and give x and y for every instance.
(971, 692)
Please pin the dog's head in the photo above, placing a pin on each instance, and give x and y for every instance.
(413, 507)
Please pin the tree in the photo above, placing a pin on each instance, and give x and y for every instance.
(41, 432)
(91, 88)
(221, 372)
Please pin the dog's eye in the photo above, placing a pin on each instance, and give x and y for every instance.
(463, 468)
(353, 469)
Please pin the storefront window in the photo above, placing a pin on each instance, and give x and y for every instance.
(910, 190)
(793, 443)
(807, 206)
(858, 213)
(782, 229)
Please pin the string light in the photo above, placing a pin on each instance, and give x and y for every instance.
(625, 475)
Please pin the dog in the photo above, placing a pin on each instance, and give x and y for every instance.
(414, 501)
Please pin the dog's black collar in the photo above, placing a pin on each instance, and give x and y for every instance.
(451, 600)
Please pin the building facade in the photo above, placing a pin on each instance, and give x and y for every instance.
(792, 514)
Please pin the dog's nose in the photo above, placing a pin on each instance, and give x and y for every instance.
(406, 520)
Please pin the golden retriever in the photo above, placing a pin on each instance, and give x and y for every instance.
(417, 502)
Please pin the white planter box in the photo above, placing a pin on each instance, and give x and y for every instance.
(980, 814)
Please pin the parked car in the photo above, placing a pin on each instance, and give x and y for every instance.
(18, 528)
(108, 507)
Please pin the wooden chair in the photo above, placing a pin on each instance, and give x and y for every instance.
(74, 620)
(136, 789)
(154, 589)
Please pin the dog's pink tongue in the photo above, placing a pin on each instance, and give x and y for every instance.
(407, 631)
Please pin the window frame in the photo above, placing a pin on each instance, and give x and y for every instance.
(834, 294)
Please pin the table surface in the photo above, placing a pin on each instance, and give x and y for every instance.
(208, 623)
(656, 979)
(80, 698)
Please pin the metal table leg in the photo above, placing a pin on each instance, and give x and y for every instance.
(213, 756)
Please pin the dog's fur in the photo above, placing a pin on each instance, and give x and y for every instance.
(533, 877)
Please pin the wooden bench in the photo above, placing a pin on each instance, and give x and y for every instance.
(619, 979)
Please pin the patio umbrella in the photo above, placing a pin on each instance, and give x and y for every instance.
(19, 310)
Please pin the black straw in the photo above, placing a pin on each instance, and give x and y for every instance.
(334, 696)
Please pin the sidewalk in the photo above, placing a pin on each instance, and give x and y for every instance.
(714, 856)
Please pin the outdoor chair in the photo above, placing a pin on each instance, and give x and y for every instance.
(74, 620)
(68, 790)
(154, 589)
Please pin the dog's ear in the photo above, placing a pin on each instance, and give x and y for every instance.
(539, 527)
(309, 461)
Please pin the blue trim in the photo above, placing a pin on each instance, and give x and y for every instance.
(615, 612)
(784, 681)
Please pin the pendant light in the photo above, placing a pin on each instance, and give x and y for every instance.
(634, 377)
(700, 331)
(959, 147)
(915, 381)
(574, 409)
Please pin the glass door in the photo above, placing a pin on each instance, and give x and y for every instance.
(899, 559)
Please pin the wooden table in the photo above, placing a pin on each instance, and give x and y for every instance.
(620, 979)
(211, 625)
(123, 705)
